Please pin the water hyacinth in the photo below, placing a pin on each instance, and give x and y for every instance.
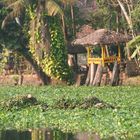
(120, 117)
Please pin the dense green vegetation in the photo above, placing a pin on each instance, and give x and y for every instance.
(35, 36)
(122, 120)
(39, 31)
(24, 29)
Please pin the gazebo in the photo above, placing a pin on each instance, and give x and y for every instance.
(102, 39)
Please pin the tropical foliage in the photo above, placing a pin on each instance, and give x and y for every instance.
(38, 37)
(135, 45)
(26, 27)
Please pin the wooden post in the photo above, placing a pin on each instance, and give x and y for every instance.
(20, 81)
(92, 73)
(107, 52)
(88, 76)
(115, 75)
(88, 53)
(103, 55)
(119, 54)
(98, 76)
(89, 69)
(102, 52)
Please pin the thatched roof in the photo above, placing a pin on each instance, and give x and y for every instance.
(102, 37)
(84, 31)
(75, 50)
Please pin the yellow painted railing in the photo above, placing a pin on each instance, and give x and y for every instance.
(110, 59)
(104, 58)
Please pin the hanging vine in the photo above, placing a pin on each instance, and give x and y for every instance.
(49, 53)
(55, 64)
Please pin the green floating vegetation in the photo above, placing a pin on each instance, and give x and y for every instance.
(119, 116)
(66, 103)
(22, 101)
(18, 102)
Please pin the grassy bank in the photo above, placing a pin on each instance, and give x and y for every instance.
(121, 119)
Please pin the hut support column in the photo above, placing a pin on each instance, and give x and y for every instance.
(98, 76)
(88, 53)
(103, 55)
(92, 73)
(88, 76)
(119, 53)
(115, 75)
(89, 70)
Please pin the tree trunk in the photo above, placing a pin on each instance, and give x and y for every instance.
(128, 19)
(64, 28)
(20, 81)
(72, 17)
(42, 75)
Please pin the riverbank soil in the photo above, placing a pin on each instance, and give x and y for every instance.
(32, 79)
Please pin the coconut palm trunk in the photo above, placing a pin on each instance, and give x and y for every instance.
(129, 20)
(40, 73)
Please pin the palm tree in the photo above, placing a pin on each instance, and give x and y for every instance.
(18, 6)
(42, 6)
(36, 10)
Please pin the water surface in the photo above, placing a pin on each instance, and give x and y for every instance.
(48, 134)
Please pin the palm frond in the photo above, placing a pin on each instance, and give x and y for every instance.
(8, 2)
(134, 42)
(136, 52)
(17, 8)
(53, 8)
(14, 5)
(7, 19)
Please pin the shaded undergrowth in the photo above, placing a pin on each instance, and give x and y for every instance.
(68, 103)
(23, 101)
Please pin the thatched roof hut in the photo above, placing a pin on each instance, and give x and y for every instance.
(102, 37)
(76, 50)
(84, 31)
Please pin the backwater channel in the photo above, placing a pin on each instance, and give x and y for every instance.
(48, 134)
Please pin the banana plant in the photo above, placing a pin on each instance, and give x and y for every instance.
(135, 44)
